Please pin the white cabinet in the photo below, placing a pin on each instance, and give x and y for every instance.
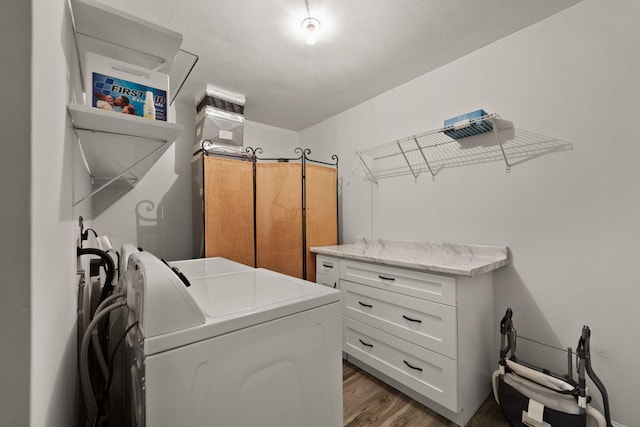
(429, 335)
(328, 271)
(325, 279)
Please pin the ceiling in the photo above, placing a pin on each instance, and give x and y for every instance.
(256, 47)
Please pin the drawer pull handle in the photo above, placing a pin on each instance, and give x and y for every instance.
(369, 345)
(325, 265)
(412, 320)
(335, 285)
(411, 366)
(365, 305)
(387, 278)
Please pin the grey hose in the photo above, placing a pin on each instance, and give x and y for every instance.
(95, 341)
(85, 381)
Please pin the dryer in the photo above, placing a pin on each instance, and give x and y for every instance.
(231, 346)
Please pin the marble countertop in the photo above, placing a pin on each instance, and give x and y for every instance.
(450, 258)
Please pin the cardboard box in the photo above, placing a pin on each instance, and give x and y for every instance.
(122, 88)
(467, 125)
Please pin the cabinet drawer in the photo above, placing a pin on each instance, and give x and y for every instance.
(418, 284)
(425, 323)
(428, 373)
(327, 265)
(327, 280)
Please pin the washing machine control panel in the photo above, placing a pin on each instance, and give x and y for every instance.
(158, 300)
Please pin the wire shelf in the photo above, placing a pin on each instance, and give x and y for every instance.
(432, 151)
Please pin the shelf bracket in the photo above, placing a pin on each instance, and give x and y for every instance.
(186, 75)
(148, 56)
(106, 132)
(496, 133)
(114, 179)
(415, 175)
(367, 170)
(424, 157)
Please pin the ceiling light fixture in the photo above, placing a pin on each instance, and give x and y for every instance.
(310, 26)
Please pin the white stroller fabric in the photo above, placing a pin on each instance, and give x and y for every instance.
(539, 377)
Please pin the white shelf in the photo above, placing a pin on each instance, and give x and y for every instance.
(434, 150)
(118, 149)
(136, 41)
(97, 120)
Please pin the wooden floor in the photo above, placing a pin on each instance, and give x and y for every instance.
(370, 402)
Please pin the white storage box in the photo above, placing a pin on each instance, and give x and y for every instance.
(121, 87)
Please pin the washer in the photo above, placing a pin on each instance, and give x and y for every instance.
(237, 347)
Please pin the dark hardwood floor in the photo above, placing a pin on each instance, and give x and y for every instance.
(370, 402)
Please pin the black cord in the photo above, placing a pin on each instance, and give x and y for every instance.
(84, 235)
(107, 289)
(110, 375)
(109, 267)
(118, 268)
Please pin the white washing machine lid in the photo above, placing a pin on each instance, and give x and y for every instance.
(214, 305)
(205, 267)
(248, 291)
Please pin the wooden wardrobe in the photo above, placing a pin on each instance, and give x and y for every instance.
(265, 212)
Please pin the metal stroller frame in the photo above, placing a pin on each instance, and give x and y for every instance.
(519, 384)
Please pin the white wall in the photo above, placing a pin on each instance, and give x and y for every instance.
(15, 219)
(570, 218)
(53, 291)
(156, 213)
(274, 141)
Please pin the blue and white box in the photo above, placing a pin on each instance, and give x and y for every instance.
(467, 125)
(123, 88)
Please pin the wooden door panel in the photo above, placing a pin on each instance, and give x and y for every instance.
(322, 211)
(228, 207)
(279, 217)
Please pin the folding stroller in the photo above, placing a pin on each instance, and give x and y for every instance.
(535, 397)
